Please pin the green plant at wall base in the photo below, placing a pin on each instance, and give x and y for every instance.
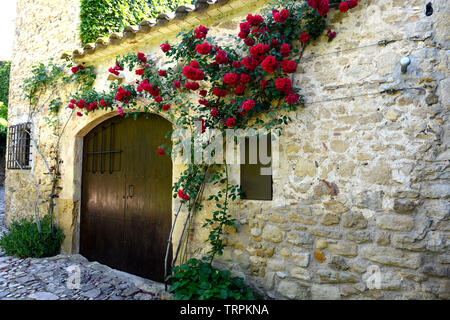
(198, 280)
(24, 240)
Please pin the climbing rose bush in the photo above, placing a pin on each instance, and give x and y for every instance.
(223, 86)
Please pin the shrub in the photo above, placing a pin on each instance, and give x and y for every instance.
(197, 280)
(24, 240)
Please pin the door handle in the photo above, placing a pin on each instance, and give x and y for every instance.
(130, 191)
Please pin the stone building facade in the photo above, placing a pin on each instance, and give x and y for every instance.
(360, 205)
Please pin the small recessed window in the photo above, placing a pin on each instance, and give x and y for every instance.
(19, 146)
(256, 170)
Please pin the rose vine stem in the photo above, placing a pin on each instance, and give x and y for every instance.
(191, 213)
(168, 245)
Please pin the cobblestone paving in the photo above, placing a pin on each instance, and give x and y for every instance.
(56, 278)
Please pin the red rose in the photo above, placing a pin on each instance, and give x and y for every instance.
(280, 16)
(71, 106)
(214, 112)
(313, 3)
(113, 71)
(269, 64)
(200, 32)
(158, 99)
(240, 89)
(177, 84)
(288, 66)
(219, 92)
(323, 7)
(193, 74)
(79, 114)
(141, 57)
(250, 63)
(73, 101)
(283, 85)
(285, 49)
(248, 105)
(192, 86)
(81, 103)
(264, 83)
(245, 26)
(231, 79)
(236, 64)
(245, 78)
(140, 72)
(118, 67)
(304, 37)
(166, 107)
(165, 47)
(243, 34)
(203, 93)
(203, 48)
(103, 103)
(194, 64)
(230, 123)
(74, 70)
(352, 3)
(221, 57)
(292, 98)
(254, 20)
(259, 50)
(162, 73)
(343, 7)
(274, 43)
(249, 42)
(182, 195)
(160, 151)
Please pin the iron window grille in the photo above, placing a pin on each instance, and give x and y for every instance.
(19, 146)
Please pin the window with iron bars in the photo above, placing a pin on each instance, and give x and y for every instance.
(19, 146)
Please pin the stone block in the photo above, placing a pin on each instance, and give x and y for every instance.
(391, 257)
(354, 220)
(395, 222)
(272, 234)
(344, 248)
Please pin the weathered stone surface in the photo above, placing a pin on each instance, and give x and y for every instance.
(335, 206)
(408, 242)
(330, 219)
(300, 273)
(393, 257)
(300, 238)
(344, 248)
(354, 220)
(301, 259)
(291, 290)
(325, 292)
(404, 206)
(395, 222)
(359, 236)
(272, 234)
(338, 263)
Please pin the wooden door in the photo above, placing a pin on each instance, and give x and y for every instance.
(126, 198)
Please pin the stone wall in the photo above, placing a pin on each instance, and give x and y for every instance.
(361, 196)
(44, 29)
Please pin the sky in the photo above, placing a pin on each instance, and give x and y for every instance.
(7, 15)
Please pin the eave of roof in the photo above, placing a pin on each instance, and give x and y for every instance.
(184, 17)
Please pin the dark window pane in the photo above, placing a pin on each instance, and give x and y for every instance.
(254, 185)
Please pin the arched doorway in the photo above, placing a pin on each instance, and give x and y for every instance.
(126, 202)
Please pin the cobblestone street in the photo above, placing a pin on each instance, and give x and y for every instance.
(55, 278)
